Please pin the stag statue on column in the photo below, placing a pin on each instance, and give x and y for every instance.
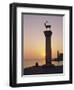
(46, 25)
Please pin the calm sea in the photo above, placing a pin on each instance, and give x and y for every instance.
(30, 62)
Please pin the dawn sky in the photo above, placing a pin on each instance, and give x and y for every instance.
(34, 38)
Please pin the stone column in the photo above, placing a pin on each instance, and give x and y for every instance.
(48, 49)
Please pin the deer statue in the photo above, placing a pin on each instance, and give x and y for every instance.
(47, 26)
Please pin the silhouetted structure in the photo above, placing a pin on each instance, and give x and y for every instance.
(59, 56)
(48, 44)
(47, 26)
(36, 64)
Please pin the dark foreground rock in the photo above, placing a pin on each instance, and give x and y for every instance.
(50, 69)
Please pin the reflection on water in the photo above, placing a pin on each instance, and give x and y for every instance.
(31, 62)
(57, 63)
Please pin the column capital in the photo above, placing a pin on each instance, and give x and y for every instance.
(48, 33)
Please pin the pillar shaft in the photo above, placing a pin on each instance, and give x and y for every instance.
(48, 49)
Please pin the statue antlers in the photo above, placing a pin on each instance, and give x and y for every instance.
(47, 26)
